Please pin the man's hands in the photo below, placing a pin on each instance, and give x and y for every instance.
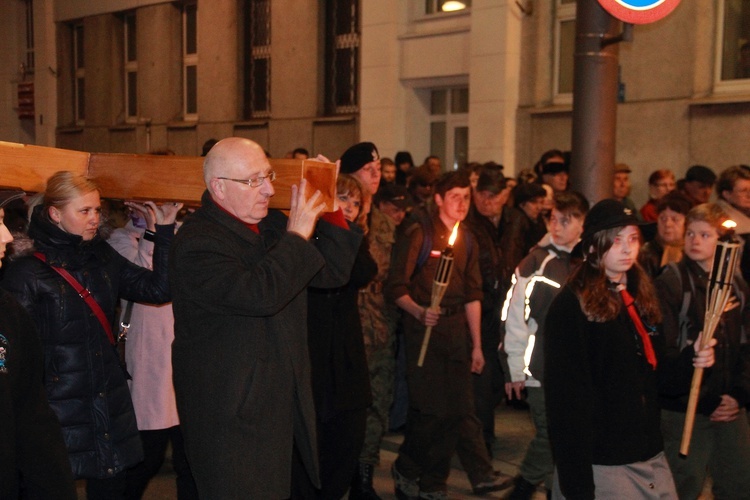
(704, 358)
(727, 410)
(477, 360)
(512, 388)
(303, 214)
(156, 214)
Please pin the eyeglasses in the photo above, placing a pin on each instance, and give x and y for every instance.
(255, 181)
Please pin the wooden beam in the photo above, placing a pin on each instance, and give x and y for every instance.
(149, 177)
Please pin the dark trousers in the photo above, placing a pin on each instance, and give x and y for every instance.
(340, 441)
(154, 449)
(111, 488)
(429, 444)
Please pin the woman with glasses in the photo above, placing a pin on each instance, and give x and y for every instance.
(660, 182)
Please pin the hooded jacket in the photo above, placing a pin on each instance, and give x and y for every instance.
(85, 385)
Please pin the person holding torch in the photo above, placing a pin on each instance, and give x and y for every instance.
(440, 390)
(720, 441)
(603, 360)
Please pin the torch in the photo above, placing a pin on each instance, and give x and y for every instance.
(439, 286)
(718, 292)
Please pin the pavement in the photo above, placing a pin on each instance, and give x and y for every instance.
(513, 429)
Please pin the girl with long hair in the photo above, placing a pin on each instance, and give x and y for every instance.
(602, 352)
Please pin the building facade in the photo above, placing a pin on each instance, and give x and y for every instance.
(492, 81)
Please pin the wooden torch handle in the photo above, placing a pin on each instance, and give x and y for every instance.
(687, 430)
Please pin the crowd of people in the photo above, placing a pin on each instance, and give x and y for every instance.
(273, 352)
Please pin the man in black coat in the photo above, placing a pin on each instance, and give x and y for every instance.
(239, 275)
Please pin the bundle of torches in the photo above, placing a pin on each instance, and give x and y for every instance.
(718, 293)
(439, 286)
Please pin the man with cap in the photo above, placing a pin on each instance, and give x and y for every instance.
(487, 221)
(698, 183)
(33, 457)
(621, 186)
(378, 318)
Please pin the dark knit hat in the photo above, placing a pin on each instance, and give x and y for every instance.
(699, 173)
(491, 180)
(526, 191)
(9, 194)
(358, 156)
(554, 167)
(608, 214)
(393, 193)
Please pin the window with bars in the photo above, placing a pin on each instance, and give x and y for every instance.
(29, 62)
(565, 43)
(79, 75)
(342, 56)
(190, 61)
(257, 58)
(733, 59)
(130, 70)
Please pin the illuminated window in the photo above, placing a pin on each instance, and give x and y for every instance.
(733, 59)
(565, 42)
(449, 129)
(438, 6)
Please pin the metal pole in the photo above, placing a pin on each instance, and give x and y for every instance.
(594, 101)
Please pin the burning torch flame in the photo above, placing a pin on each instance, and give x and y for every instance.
(454, 235)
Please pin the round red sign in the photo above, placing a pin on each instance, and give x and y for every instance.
(639, 11)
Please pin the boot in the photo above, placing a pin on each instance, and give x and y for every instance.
(406, 489)
(361, 488)
(523, 490)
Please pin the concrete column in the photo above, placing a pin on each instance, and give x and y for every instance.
(382, 99)
(494, 78)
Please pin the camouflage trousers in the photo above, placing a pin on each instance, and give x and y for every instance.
(382, 366)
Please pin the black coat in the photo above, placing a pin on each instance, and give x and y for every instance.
(85, 384)
(340, 377)
(30, 438)
(240, 357)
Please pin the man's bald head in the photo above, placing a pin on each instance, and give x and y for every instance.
(239, 159)
(230, 154)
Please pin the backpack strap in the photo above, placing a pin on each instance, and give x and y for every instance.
(688, 291)
(84, 294)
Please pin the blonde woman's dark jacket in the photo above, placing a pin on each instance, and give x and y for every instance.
(85, 384)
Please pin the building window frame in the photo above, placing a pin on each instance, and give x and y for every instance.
(723, 85)
(257, 59)
(562, 85)
(449, 125)
(343, 39)
(79, 74)
(190, 61)
(29, 60)
(130, 67)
